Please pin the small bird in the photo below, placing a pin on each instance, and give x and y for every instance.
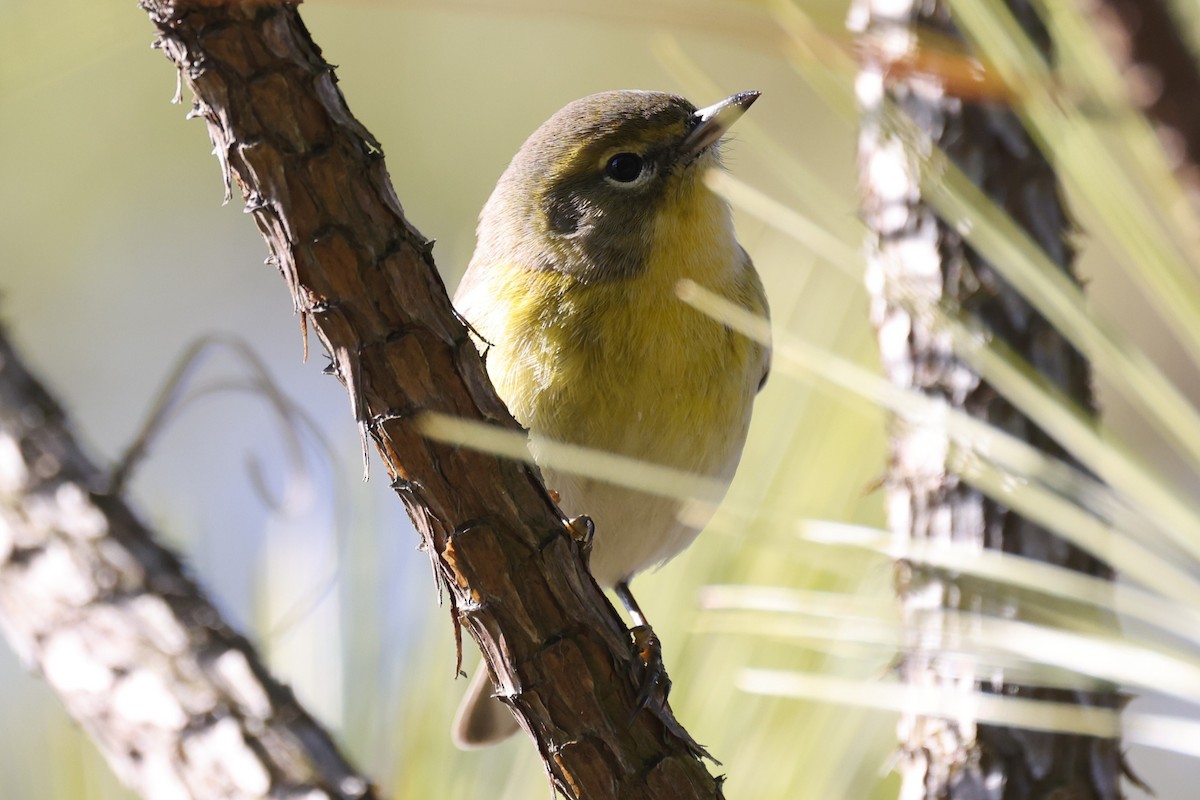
(572, 291)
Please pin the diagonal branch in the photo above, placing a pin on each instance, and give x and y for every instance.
(318, 189)
(180, 705)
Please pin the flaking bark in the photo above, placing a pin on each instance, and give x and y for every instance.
(919, 266)
(178, 703)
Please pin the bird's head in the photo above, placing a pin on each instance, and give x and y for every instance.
(585, 192)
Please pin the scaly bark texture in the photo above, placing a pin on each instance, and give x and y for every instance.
(917, 267)
(179, 704)
(315, 181)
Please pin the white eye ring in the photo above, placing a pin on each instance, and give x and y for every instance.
(627, 169)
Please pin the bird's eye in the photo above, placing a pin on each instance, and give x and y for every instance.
(625, 167)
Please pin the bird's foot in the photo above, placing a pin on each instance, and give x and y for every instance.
(583, 531)
(654, 685)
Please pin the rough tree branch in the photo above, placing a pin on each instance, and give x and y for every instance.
(318, 189)
(918, 265)
(179, 704)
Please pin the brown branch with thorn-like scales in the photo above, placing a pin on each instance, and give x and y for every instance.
(315, 182)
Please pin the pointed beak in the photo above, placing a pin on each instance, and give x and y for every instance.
(711, 122)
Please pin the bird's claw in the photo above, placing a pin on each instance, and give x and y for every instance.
(583, 531)
(655, 684)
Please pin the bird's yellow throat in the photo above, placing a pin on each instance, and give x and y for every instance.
(624, 365)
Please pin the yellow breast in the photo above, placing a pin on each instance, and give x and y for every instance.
(624, 365)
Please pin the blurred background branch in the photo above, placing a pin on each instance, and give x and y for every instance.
(922, 272)
(180, 705)
(1149, 44)
(780, 624)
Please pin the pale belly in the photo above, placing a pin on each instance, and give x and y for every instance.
(680, 397)
(626, 367)
(634, 530)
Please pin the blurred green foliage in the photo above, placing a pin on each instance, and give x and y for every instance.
(117, 252)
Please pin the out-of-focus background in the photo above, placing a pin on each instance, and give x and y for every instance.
(116, 252)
